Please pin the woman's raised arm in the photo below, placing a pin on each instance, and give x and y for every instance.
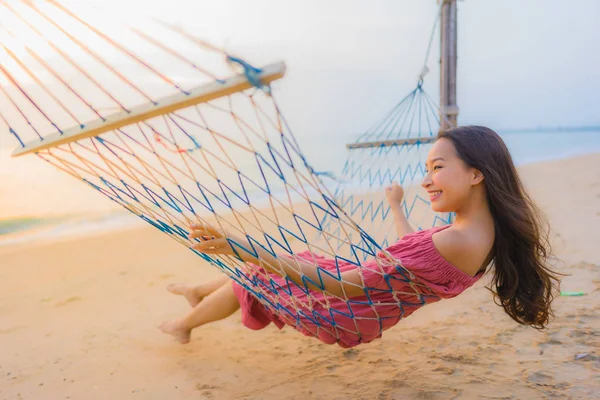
(394, 195)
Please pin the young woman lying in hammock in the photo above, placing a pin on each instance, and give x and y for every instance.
(469, 172)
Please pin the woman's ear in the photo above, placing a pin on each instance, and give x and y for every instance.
(477, 177)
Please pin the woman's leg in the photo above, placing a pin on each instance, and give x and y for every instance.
(195, 294)
(216, 306)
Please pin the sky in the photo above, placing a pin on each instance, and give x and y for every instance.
(521, 63)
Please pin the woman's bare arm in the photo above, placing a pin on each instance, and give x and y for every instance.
(394, 195)
(401, 223)
(350, 284)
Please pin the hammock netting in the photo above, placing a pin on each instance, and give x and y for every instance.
(190, 134)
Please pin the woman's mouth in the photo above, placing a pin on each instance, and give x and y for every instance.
(433, 196)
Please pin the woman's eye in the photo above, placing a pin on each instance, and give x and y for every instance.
(436, 167)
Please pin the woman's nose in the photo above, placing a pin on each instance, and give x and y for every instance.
(426, 181)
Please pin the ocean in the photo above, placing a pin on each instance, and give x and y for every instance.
(38, 202)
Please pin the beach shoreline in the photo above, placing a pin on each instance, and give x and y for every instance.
(114, 219)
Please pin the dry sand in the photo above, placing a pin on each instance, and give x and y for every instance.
(78, 321)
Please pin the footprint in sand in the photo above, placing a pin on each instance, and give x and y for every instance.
(435, 394)
(552, 342)
(10, 330)
(540, 378)
(543, 378)
(445, 370)
(207, 390)
(351, 354)
(459, 358)
(67, 301)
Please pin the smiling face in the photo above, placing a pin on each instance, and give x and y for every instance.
(449, 179)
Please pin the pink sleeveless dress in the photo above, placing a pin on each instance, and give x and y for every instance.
(390, 296)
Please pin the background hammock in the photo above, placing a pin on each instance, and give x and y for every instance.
(178, 137)
(394, 150)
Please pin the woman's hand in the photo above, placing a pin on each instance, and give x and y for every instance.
(394, 195)
(211, 240)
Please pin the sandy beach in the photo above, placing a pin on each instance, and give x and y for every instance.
(79, 317)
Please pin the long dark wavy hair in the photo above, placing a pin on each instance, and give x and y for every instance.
(522, 282)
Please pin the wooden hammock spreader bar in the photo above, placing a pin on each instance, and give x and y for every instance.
(201, 94)
(388, 143)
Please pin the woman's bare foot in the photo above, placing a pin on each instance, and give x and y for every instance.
(188, 292)
(177, 329)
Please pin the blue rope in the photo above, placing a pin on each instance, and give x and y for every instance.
(252, 73)
(327, 174)
(11, 130)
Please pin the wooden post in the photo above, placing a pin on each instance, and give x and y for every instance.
(448, 107)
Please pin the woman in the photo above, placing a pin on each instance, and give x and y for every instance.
(469, 171)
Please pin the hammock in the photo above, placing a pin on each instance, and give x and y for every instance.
(196, 136)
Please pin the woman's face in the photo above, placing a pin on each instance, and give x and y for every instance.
(448, 179)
